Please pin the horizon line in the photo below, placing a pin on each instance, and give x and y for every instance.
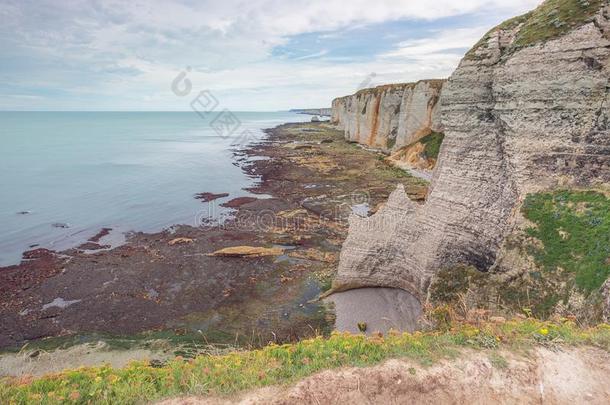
(157, 111)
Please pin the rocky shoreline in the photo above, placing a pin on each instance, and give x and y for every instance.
(171, 284)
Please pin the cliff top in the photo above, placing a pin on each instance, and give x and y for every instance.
(395, 86)
(235, 371)
(550, 20)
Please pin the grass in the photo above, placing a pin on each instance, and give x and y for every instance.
(498, 361)
(390, 171)
(385, 170)
(180, 341)
(574, 228)
(432, 144)
(451, 284)
(238, 371)
(550, 20)
(566, 259)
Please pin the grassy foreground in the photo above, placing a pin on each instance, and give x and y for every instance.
(226, 374)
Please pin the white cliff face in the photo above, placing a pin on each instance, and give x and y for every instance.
(515, 122)
(391, 116)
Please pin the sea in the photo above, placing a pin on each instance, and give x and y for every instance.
(66, 175)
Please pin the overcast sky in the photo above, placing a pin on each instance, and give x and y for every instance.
(256, 55)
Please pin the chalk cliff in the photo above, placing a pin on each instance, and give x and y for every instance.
(391, 116)
(527, 110)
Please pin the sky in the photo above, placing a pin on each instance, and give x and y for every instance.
(256, 55)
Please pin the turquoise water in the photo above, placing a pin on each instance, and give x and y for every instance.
(127, 171)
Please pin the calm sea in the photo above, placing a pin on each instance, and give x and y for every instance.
(66, 175)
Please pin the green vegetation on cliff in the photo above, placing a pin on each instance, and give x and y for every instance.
(550, 20)
(225, 374)
(432, 144)
(574, 228)
(564, 258)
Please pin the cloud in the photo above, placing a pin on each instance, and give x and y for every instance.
(111, 54)
(313, 55)
(21, 96)
(440, 42)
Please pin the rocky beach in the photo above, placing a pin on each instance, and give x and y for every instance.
(182, 284)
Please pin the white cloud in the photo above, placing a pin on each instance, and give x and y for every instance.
(118, 54)
(440, 42)
(313, 55)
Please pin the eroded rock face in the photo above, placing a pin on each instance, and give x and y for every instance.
(606, 301)
(391, 116)
(515, 122)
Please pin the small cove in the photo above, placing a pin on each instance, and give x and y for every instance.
(381, 309)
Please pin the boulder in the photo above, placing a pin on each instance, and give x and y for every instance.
(247, 251)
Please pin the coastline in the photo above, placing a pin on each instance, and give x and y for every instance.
(129, 171)
(166, 284)
(435, 241)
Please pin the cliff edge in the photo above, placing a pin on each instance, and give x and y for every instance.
(527, 110)
(391, 116)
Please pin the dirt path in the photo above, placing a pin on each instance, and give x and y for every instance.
(567, 376)
(40, 362)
